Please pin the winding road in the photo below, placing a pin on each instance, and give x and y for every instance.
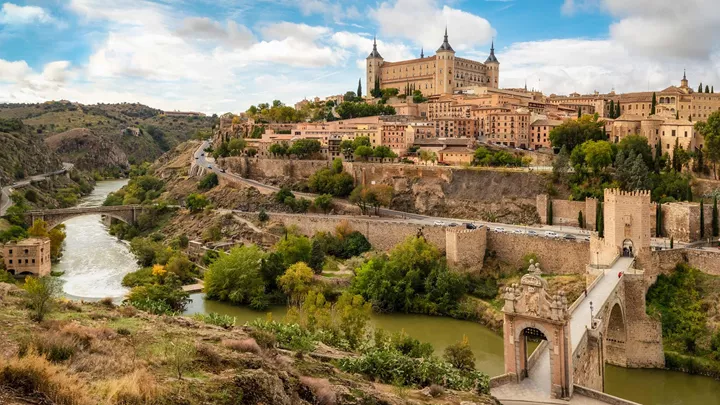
(6, 202)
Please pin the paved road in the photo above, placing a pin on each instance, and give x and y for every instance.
(540, 230)
(6, 191)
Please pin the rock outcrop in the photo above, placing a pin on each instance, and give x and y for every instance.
(88, 151)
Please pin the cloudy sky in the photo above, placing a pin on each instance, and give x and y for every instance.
(217, 56)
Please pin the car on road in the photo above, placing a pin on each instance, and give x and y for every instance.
(499, 230)
(532, 233)
(197, 157)
(439, 223)
(222, 170)
(209, 166)
(470, 226)
(569, 236)
(519, 232)
(551, 234)
(452, 224)
(202, 154)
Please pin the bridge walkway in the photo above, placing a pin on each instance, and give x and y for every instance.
(536, 388)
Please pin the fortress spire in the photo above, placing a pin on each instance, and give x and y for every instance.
(374, 53)
(492, 58)
(445, 45)
(422, 55)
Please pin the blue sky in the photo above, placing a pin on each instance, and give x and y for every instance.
(224, 55)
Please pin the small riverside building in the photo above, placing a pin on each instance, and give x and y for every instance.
(28, 256)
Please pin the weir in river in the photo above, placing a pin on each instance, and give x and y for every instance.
(94, 263)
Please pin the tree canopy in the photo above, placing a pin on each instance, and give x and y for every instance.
(572, 133)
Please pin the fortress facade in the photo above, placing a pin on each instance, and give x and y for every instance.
(442, 73)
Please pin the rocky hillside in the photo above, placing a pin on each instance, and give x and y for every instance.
(88, 151)
(139, 132)
(23, 152)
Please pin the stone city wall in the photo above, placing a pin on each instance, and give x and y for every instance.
(664, 261)
(565, 212)
(681, 221)
(643, 347)
(588, 362)
(465, 248)
(556, 256)
(273, 169)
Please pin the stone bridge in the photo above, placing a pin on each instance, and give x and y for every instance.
(607, 324)
(125, 213)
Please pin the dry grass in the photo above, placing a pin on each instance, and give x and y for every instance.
(242, 345)
(208, 355)
(107, 302)
(321, 387)
(34, 373)
(136, 388)
(54, 346)
(127, 311)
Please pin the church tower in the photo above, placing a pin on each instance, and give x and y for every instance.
(684, 81)
(493, 68)
(444, 68)
(373, 64)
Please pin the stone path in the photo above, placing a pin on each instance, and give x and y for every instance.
(536, 388)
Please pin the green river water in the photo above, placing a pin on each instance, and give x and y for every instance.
(95, 262)
(650, 387)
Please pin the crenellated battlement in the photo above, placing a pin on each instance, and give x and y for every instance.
(616, 192)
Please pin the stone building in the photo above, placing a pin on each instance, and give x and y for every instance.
(540, 132)
(28, 256)
(442, 73)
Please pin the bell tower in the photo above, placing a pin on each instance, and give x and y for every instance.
(445, 68)
(373, 65)
(493, 68)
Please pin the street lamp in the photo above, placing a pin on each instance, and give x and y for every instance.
(591, 315)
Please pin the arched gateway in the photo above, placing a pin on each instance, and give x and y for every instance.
(530, 312)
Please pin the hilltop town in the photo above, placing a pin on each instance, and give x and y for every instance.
(581, 231)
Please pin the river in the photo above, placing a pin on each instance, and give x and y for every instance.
(95, 262)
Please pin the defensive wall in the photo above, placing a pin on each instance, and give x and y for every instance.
(663, 261)
(465, 249)
(680, 220)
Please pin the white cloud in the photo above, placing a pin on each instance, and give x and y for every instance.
(362, 46)
(565, 65)
(205, 29)
(13, 71)
(423, 22)
(13, 14)
(302, 32)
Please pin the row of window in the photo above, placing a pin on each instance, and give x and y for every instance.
(20, 261)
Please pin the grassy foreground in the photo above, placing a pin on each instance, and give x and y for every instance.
(99, 353)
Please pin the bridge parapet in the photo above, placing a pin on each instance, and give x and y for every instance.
(54, 217)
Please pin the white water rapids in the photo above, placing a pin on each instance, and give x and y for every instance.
(94, 262)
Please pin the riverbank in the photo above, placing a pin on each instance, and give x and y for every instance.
(117, 355)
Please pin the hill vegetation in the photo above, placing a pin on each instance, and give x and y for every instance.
(95, 137)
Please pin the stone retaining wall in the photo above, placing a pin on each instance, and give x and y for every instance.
(557, 256)
(663, 261)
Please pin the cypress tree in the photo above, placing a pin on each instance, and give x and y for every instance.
(581, 221)
(579, 113)
(715, 217)
(317, 256)
(700, 88)
(359, 91)
(658, 220)
(707, 89)
(654, 103)
(611, 113)
(601, 222)
(672, 242)
(550, 212)
(689, 194)
(702, 220)
(617, 110)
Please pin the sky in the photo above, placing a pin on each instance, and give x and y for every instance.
(218, 56)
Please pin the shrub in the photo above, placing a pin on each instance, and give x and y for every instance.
(436, 391)
(136, 388)
(40, 293)
(213, 318)
(460, 355)
(322, 389)
(35, 374)
(208, 182)
(56, 347)
(107, 302)
(165, 298)
(180, 356)
(263, 216)
(243, 345)
(236, 277)
(264, 339)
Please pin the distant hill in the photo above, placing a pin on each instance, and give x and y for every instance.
(95, 137)
(23, 152)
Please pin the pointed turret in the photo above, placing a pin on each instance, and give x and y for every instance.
(422, 54)
(374, 53)
(684, 81)
(445, 45)
(492, 58)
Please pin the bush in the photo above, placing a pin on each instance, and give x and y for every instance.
(243, 346)
(40, 293)
(235, 277)
(56, 347)
(196, 202)
(263, 216)
(460, 355)
(168, 297)
(213, 318)
(265, 339)
(208, 182)
(140, 277)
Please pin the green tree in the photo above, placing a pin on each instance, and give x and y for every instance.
(236, 146)
(581, 220)
(638, 175)
(707, 89)
(710, 130)
(638, 145)
(611, 109)
(304, 148)
(282, 194)
(363, 152)
(263, 216)
(598, 154)
(575, 132)
(208, 182)
(235, 277)
(700, 88)
(278, 149)
(653, 104)
(296, 281)
(317, 256)
(658, 220)
(196, 202)
(383, 151)
(460, 355)
(359, 89)
(294, 248)
(617, 110)
(600, 222)
(162, 297)
(40, 293)
(324, 202)
(550, 212)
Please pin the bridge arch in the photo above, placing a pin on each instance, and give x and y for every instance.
(616, 336)
(53, 222)
(627, 248)
(53, 218)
